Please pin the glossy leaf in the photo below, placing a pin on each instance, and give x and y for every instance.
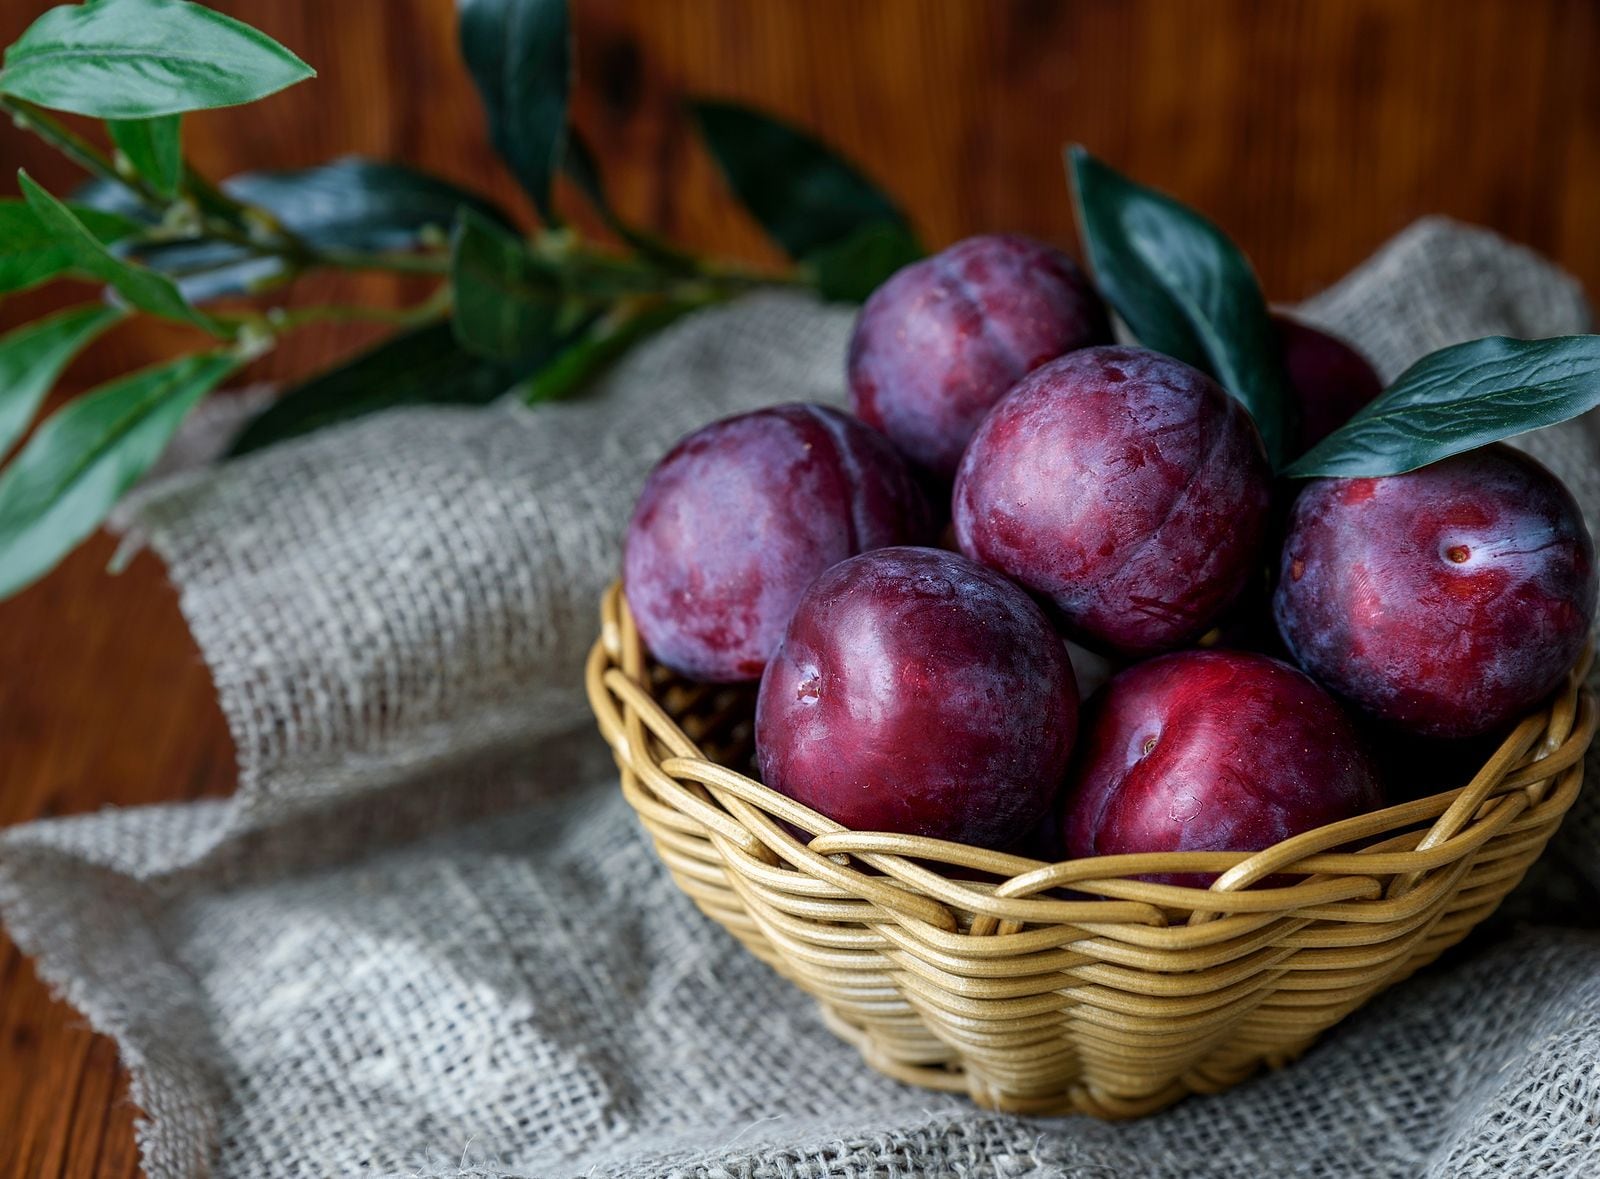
(138, 59)
(29, 254)
(359, 203)
(1460, 398)
(804, 195)
(32, 357)
(423, 366)
(1184, 289)
(114, 199)
(154, 149)
(204, 270)
(141, 287)
(350, 203)
(80, 461)
(520, 55)
(506, 300)
(852, 269)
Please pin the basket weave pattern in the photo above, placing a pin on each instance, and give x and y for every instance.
(1073, 987)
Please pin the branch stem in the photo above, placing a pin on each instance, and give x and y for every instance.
(75, 147)
(285, 319)
(678, 279)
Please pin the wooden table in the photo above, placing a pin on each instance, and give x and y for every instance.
(1311, 131)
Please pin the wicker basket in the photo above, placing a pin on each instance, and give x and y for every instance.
(988, 980)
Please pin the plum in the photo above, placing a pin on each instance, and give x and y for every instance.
(739, 517)
(939, 343)
(1330, 379)
(1446, 601)
(918, 692)
(1126, 488)
(1211, 751)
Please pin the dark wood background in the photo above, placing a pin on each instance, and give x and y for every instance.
(1310, 130)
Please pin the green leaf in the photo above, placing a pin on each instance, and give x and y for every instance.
(520, 55)
(423, 366)
(506, 299)
(209, 269)
(852, 269)
(804, 196)
(81, 460)
(29, 254)
(142, 288)
(153, 148)
(1184, 289)
(360, 203)
(350, 203)
(138, 59)
(32, 357)
(1460, 398)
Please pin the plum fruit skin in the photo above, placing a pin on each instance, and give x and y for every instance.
(1330, 379)
(1211, 751)
(918, 692)
(1445, 602)
(739, 517)
(943, 339)
(1123, 486)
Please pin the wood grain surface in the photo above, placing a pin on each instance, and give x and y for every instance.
(1310, 130)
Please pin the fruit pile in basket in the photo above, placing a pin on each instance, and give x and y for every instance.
(1287, 568)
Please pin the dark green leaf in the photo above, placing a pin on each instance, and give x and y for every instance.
(153, 148)
(112, 197)
(79, 462)
(136, 59)
(209, 269)
(29, 254)
(1458, 399)
(350, 203)
(506, 300)
(424, 366)
(142, 288)
(596, 348)
(359, 203)
(804, 195)
(32, 357)
(520, 55)
(1184, 289)
(852, 269)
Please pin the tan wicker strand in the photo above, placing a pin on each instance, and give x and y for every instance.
(1080, 986)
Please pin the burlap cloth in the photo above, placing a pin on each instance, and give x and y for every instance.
(426, 937)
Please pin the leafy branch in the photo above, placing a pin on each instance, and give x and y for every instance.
(533, 314)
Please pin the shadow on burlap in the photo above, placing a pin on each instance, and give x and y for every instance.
(426, 936)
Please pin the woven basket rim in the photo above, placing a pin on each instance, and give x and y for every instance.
(750, 817)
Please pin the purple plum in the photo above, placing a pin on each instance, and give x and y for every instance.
(1447, 601)
(1123, 486)
(740, 516)
(1211, 751)
(918, 692)
(944, 338)
(1331, 380)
